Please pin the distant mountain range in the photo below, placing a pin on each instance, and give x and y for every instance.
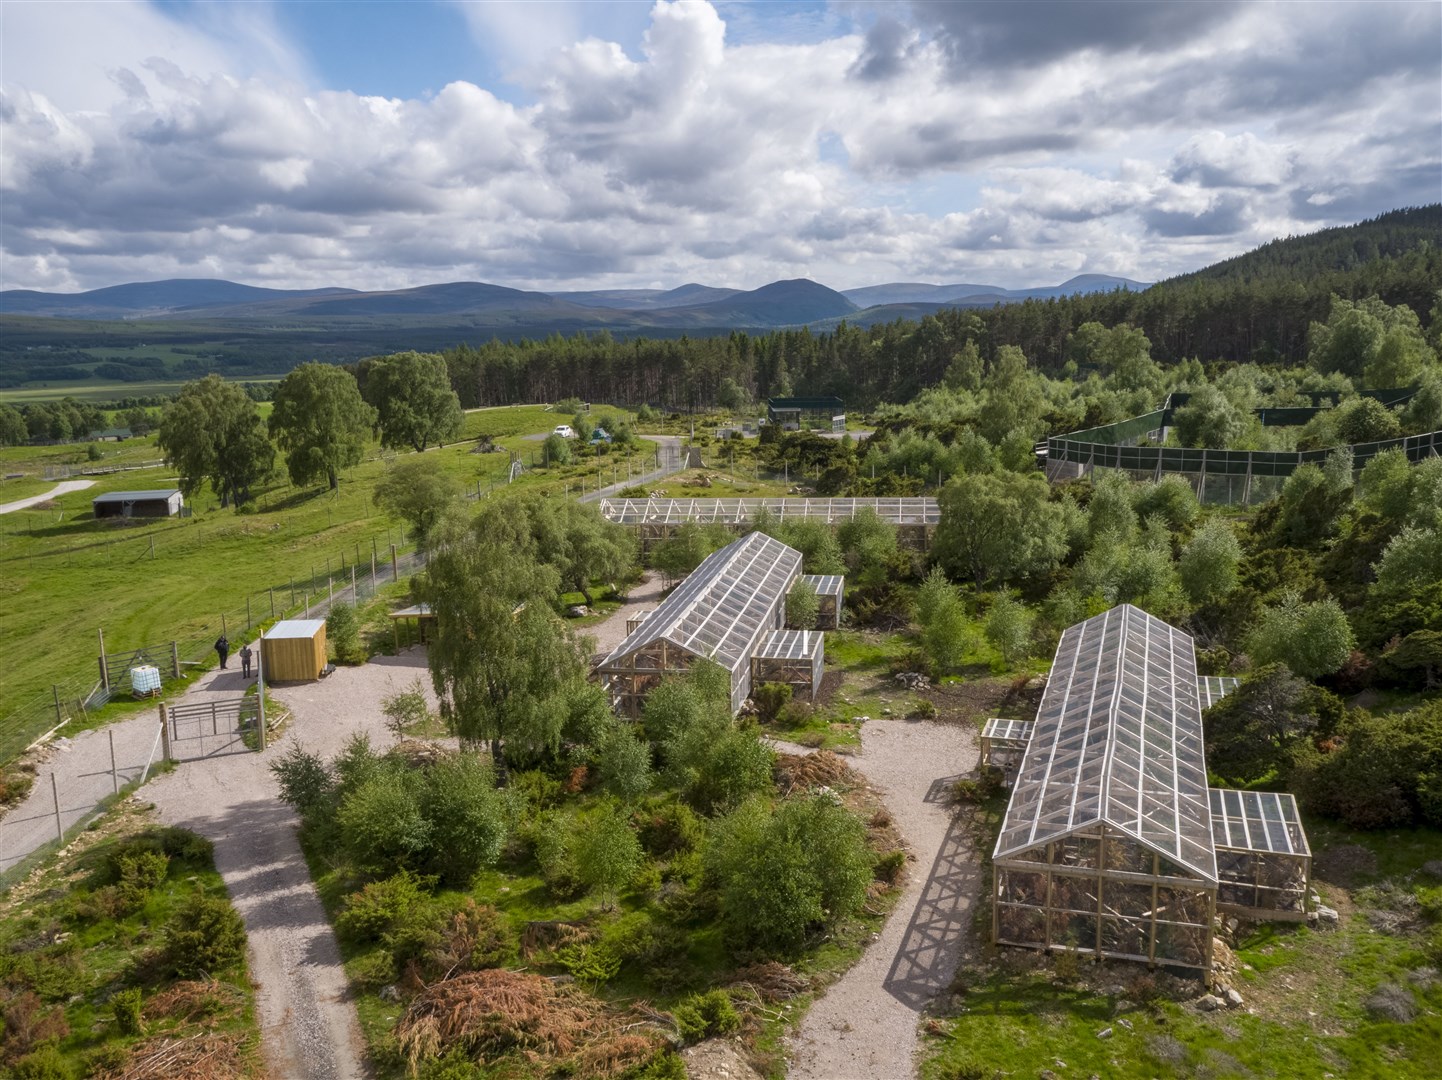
(797, 302)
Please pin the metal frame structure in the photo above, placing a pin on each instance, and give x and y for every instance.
(915, 517)
(1113, 843)
(829, 590)
(1106, 846)
(1264, 862)
(1003, 742)
(721, 612)
(794, 657)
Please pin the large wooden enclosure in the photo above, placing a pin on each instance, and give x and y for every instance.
(1113, 844)
(721, 612)
(294, 650)
(794, 657)
(915, 517)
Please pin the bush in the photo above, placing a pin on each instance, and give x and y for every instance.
(204, 936)
(125, 1006)
(556, 450)
(381, 824)
(465, 816)
(138, 871)
(607, 853)
(1008, 628)
(736, 765)
(889, 866)
(381, 906)
(372, 970)
(987, 785)
(802, 606)
(342, 630)
(47, 1063)
(672, 829)
(770, 698)
(624, 764)
(305, 782)
(406, 709)
(783, 872)
(925, 709)
(552, 841)
(703, 1015)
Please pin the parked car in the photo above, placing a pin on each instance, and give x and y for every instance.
(564, 431)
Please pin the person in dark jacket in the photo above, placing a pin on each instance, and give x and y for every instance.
(246, 652)
(222, 649)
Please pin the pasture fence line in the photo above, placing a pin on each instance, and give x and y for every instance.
(353, 575)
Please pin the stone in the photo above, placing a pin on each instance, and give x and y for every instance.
(1234, 1000)
(1209, 1003)
(389, 993)
(1328, 916)
(1104, 1033)
(578, 611)
(885, 712)
(1124, 1022)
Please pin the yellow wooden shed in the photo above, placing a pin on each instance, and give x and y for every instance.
(294, 650)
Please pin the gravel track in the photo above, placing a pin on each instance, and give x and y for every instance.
(308, 1022)
(62, 488)
(865, 1027)
(644, 595)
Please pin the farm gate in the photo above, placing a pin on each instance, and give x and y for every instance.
(207, 728)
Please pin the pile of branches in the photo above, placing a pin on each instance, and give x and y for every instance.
(772, 981)
(194, 998)
(206, 1056)
(493, 1013)
(797, 772)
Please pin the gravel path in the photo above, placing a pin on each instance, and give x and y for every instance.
(307, 1019)
(62, 488)
(644, 595)
(866, 1025)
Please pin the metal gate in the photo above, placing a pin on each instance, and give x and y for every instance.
(207, 728)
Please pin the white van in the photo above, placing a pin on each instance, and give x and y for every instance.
(564, 431)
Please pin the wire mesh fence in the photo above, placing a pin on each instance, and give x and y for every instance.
(351, 576)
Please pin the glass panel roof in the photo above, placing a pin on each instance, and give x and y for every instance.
(789, 645)
(1212, 689)
(912, 510)
(1257, 821)
(725, 605)
(1013, 730)
(824, 584)
(1118, 739)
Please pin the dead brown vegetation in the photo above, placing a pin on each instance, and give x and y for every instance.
(772, 980)
(493, 1013)
(795, 772)
(192, 999)
(205, 1056)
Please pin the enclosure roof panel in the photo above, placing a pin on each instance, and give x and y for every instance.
(296, 628)
(725, 605)
(825, 584)
(415, 611)
(1212, 689)
(137, 496)
(789, 645)
(1257, 821)
(1118, 739)
(910, 510)
(1011, 730)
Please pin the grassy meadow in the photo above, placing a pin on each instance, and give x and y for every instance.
(65, 575)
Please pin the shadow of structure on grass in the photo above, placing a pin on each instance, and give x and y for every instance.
(932, 945)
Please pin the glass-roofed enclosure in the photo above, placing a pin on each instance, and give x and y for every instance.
(1113, 843)
(915, 517)
(722, 612)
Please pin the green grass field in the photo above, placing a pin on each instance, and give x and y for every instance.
(65, 575)
(95, 390)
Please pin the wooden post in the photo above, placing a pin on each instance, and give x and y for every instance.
(55, 797)
(396, 629)
(174, 660)
(214, 720)
(395, 571)
(292, 592)
(354, 595)
(373, 571)
(59, 715)
(247, 612)
(357, 553)
(260, 691)
(330, 586)
(164, 732)
(272, 603)
(152, 547)
(104, 671)
(114, 774)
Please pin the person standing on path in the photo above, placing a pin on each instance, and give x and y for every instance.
(246, 652)
(222, 649)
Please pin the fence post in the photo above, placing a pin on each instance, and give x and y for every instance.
(354, 595)
(247, 612)
(164, 732)
(174, 660)
(214, 720)
(59, 716)
(272, 603)
(114, 774)
(55, 797)
(260, 692)
(330, 592)
(223, 630)
(292, 592)
(104, 671)
(373, 571)
(395, 571)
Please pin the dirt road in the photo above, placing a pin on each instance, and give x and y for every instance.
(62, 488)
(865, 1027)
(307, 1018)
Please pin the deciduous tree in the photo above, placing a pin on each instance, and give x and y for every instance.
(412, 396)
(321, 422)
(212, 431)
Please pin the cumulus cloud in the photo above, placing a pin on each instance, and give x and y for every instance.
(1139, 139)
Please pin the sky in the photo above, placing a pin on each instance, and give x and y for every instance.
(573, 145)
